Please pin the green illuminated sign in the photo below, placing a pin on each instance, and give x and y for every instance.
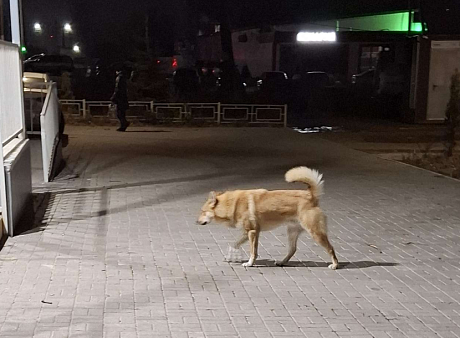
(416, 27)
(391, 22)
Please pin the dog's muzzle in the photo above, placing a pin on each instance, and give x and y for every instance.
(202, 222)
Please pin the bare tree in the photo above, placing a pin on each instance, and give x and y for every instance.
(453, 113)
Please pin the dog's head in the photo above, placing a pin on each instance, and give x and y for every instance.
(207, 210)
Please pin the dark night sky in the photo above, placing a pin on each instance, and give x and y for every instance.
(107, 26)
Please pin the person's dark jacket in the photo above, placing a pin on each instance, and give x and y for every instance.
(120, 95)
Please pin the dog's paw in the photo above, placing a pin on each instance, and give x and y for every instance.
(248, 264)
(333, 266)
(280, 263)
(233, 255)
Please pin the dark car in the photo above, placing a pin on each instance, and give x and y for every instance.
(50, 64)
(392, 80)
(98, 68)
(312, 81)
(364, 83)
(186, 80)
(99, 81)
(271, 81)
(310, 89)
(318, 80)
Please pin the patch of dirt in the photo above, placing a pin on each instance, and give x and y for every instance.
(436, 163)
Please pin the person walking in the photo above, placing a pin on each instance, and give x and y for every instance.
(120, 98)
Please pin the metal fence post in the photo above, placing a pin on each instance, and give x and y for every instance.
(84, 109)
(187, 112)
(285, 115)
(151, 110)
(218, 112)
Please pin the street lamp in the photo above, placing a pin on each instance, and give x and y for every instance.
(76, 49)
(37, 27)
(67, 28)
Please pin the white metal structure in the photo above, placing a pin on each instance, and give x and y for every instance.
(35, 91)
(169, 111)
(254, 113)
(49, 128)
(35, 77)
(445, 58)
(16, 18)
(15, 176)
(42, 118)
(10, 92)
(215, 112)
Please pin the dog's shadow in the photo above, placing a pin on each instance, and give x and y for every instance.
(262, 263)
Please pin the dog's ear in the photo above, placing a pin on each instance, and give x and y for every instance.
(212, 198)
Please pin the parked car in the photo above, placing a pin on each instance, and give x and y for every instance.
(389, 82)
(364, 78)
(99, 81)
(364, 83)
(312, 89)
(186, 81)
(50, 64)
(392, 80)
(312, 81)
(273, 81)
(97, 68)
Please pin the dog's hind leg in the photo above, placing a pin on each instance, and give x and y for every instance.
(315, 222)
(244, 237)
(322, 240)
(293, 232)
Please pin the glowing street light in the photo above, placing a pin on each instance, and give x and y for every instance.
(67, 28)
(316, 37)
(37, 27)
(76, 49)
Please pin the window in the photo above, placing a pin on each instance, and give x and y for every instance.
(243, 38)
(369, 57)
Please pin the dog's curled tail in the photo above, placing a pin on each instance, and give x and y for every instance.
(309, 176)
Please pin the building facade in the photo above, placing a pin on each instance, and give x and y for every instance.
(399, 51)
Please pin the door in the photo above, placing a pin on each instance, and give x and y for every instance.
(445, 58)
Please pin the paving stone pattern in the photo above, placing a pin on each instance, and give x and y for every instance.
(117, 253)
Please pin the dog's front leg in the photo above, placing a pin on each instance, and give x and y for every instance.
(253, 236)
(234, 251)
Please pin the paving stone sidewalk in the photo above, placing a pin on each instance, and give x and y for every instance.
(117, 253)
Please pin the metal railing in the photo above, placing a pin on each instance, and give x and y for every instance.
(169, 111)
(254, 113)
(76, 108)
(49, 129)
(205, 111)
(180, 112)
